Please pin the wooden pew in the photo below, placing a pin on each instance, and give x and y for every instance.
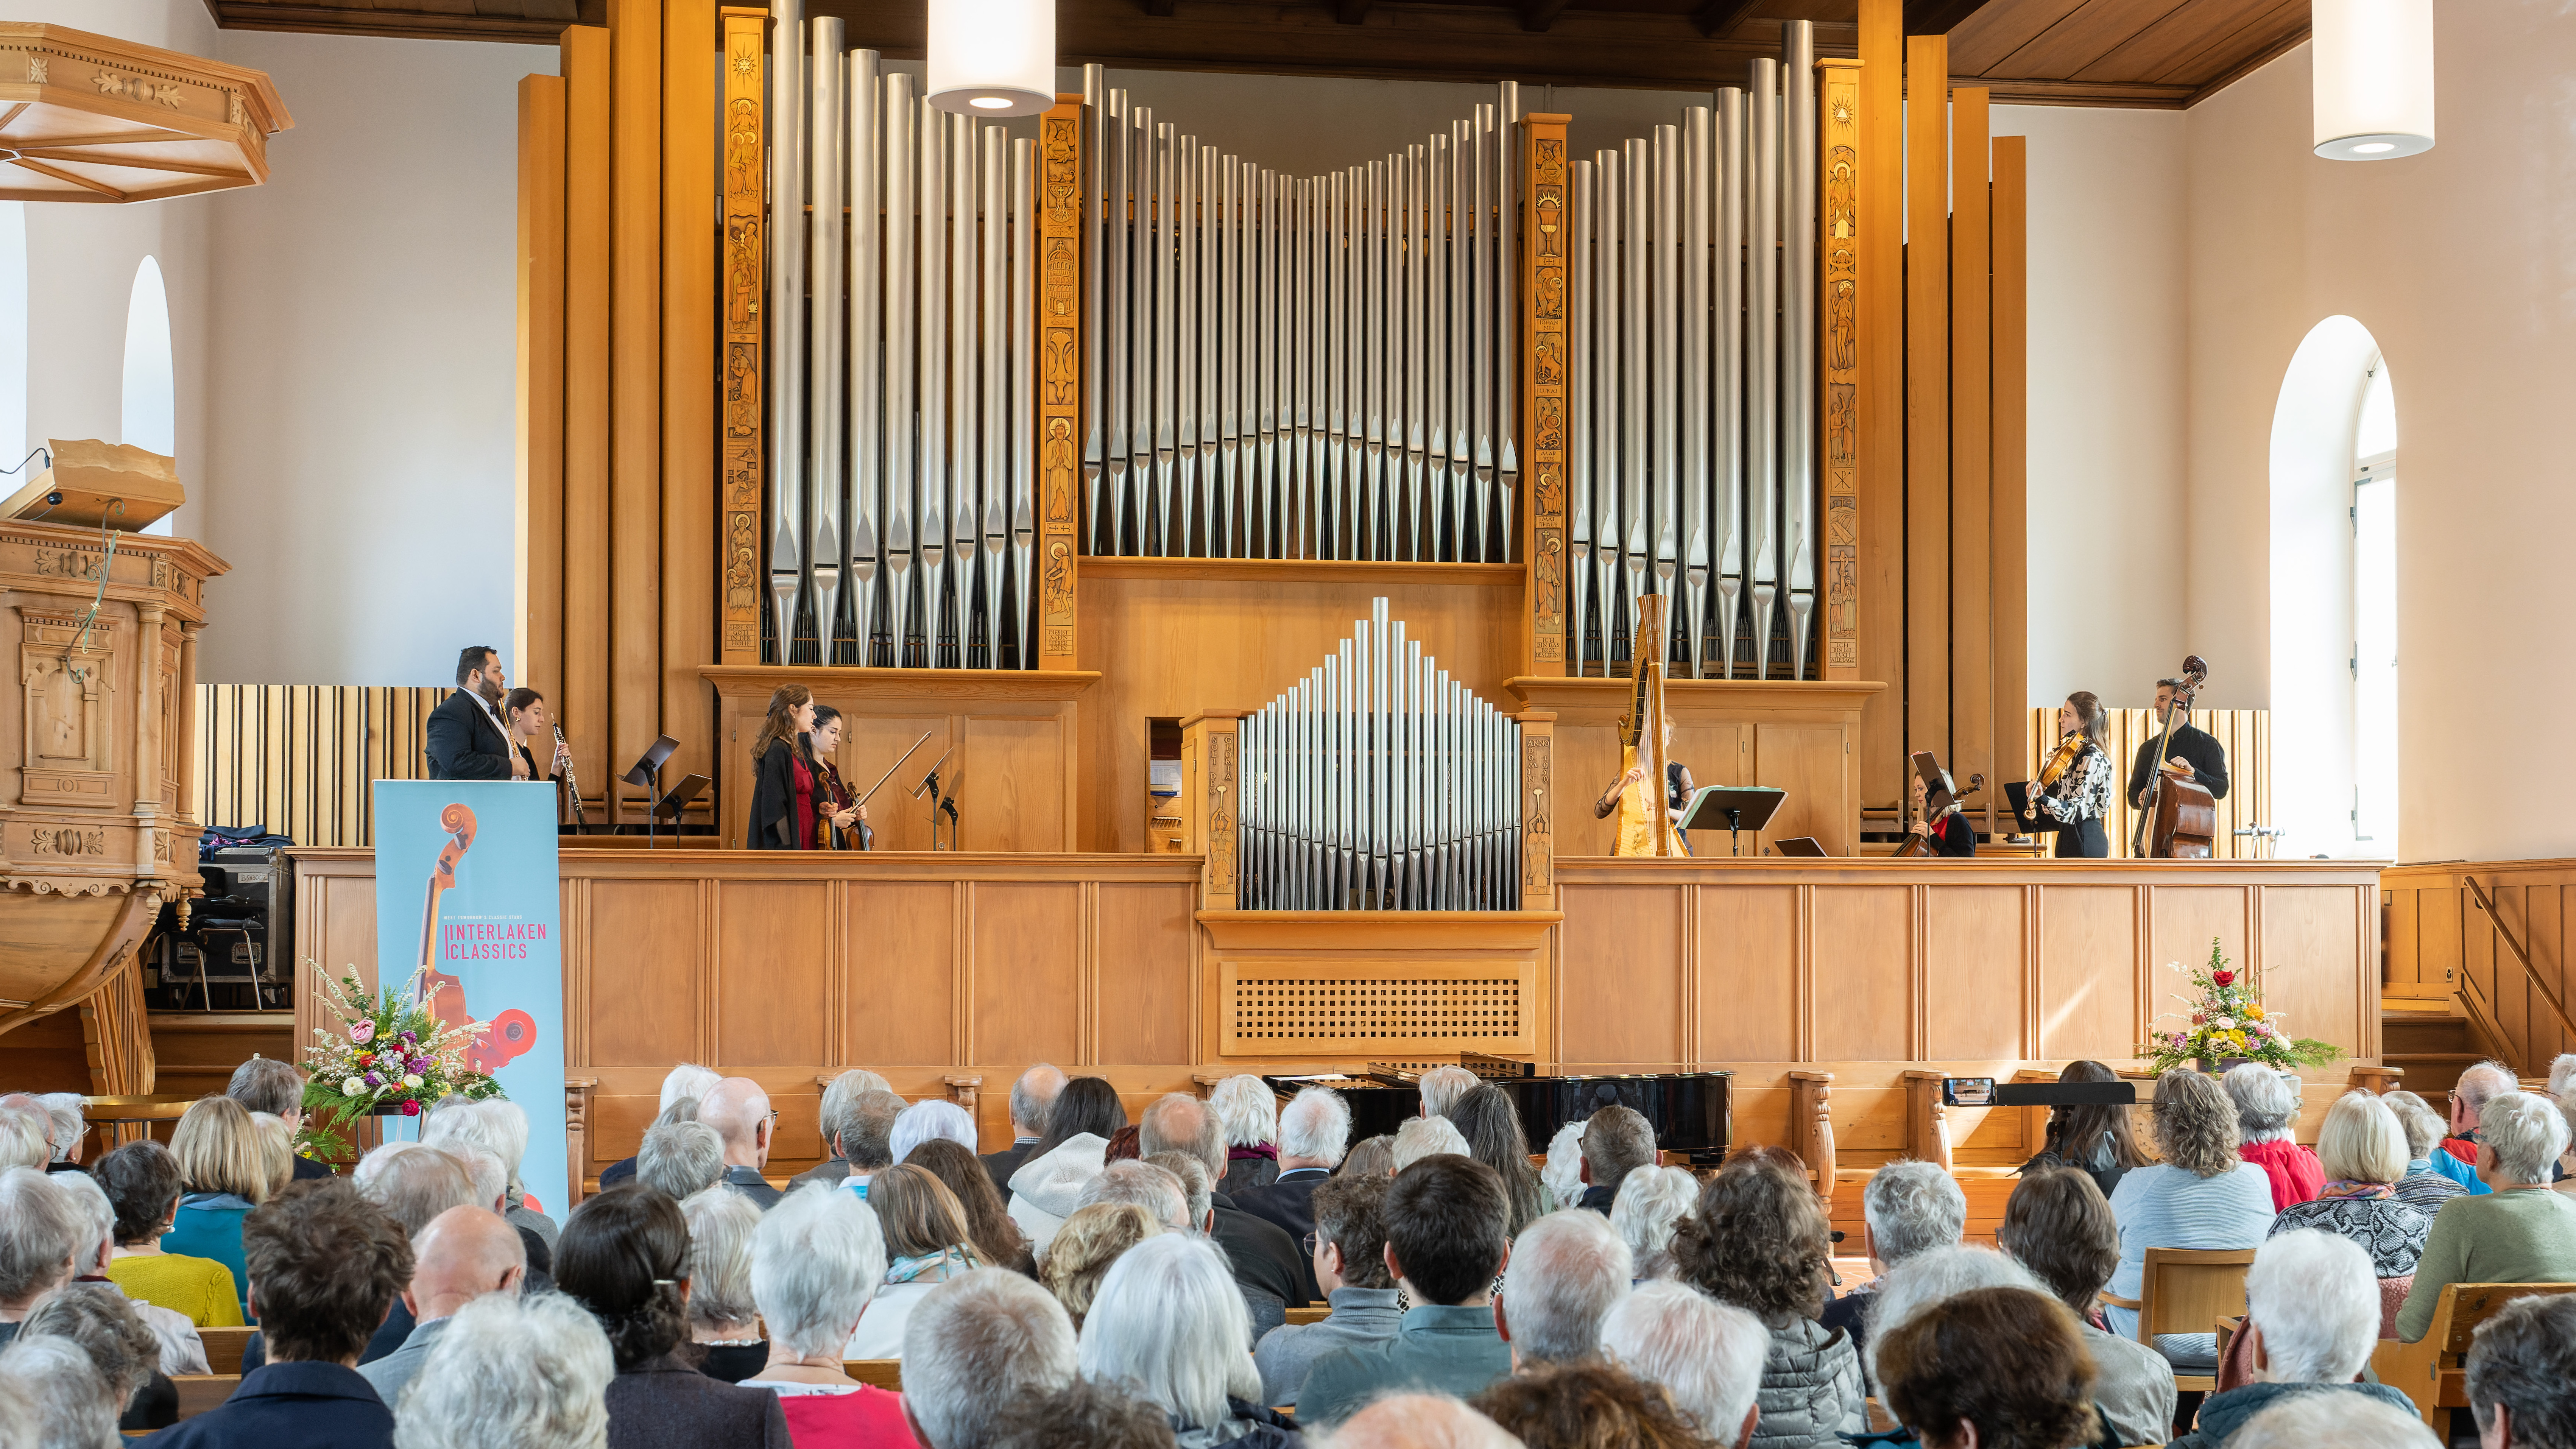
(200, 1392)
(883, 1373)
(2187, 1290)
(1313, 1313)
(2434, 1372)
(224, 1348)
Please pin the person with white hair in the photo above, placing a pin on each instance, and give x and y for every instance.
(680, 1160)
(863, 1134)
(831, 1116)
(2457, 1157)
(1563, 1174)
(182, 1350)
(1266, 1259)
(816, 1260)
(1927, 1278)
(929, 1121)
(266, 1084)
(498, 1126)
(2364, 1152)
(2521, 1232)
(2522, 1375)
(511, 1373)
(2343, 1421)
(1911, 1207)
(1169, 1325)
(1148, 1185)
(26, 1134)
(2311, 1321)
(683, 1085)
(976, 1343)
(2423, 1184)
(64, 1129)
(72, 1405)
(1247, 1111)
(1421, 1421)
(1441, 1087)
(1422, 1137)
(1651, 1202)
(2267, 1107)
(103, 1324)
(723, 1320)
(1032, 1096)
(1705, 1354)
(464, 1254)
(739, 1111)
(40, 1244)
(1314, 1134)
(1616, 1141)
(1567, 1271)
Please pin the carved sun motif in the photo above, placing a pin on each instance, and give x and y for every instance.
(1842, 113)
(743, 64)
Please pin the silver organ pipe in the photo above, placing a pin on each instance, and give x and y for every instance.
(1379, 783)
(829, 325)
(867, 359)
(785, 524)
(1728, 375)
(1762, 358)
(902, 307)
(1798, 339)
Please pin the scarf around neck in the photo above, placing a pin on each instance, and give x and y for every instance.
(2356, 1190)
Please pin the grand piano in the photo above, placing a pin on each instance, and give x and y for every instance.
(1689, 1110)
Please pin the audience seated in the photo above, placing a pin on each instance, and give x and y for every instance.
(414, 1184)
(1911, 1207)
(68, 1404)
(2522, 1375)
(1422, 1137)
(2094, 1137)
(1152, 1186)
(2457, 1157)
(1616, 1142)
(1445, 1243)
(103, 1325)
(2267, 1107)
(498, 1126)
(1168, 1327)
(2363, 1150)
(816, 1265)
(1346, 1251)
(221, 1179)
(2521, 1232)
(1586, 1405)
(64, 1129)
(276, 1150)
(1759, 1240)
(680, 1160)
(1314, 1130)
(926, 1244)
(1651, 1202)
(1248, 1112)
(1443, 1086)
(2334, 1421)
(2311, 1320)
(2424, 1185)
(1704, 1354)
(1122, 1146)
(181, 1349)
(265, 1084)
(1487, 1118)
(26, 1137)
(683, 1084)
(511, 1373)
(1991, 1368)
(724, 1323)
(325, 1265)
(1032, 1097)
(739, 1111)
(839, 1127)
(1082, 1415)
(937, 1120)
(998, 1241)
(1374, 1156)
(463, 1254)
(2058, 1225)
(1265, 1258)
(1421, 1421)
(142, 1185)
(1087, 1244)
(1568, 1270)
(868, 1135)
(1564, 1171)
(1048, 1181)
(1931, 1277)
(976, 1344)
(625, 1256)
(40, 1248)
(2201, 1195)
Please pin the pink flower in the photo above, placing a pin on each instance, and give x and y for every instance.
(411, 1109)
(363, 1032)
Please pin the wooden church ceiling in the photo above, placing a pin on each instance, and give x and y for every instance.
(2153, 53)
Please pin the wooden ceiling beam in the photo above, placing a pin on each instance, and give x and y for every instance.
(1938, 17)
(58, 174)
(1720, 17)
(136, 163)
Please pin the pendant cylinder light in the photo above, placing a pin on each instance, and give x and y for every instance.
(2373, 78)
(992, 57)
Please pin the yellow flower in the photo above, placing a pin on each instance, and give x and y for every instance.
(2254, 1012)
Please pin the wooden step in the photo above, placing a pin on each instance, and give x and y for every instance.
(2431, 1075)
(196, 1051)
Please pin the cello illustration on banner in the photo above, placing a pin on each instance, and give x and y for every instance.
(506, 1036)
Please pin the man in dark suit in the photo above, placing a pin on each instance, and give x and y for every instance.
(467, 740)
(1031, 1096)
(1264, 1257)
(2194, 754)
(739, 1111)
(1314, 1131)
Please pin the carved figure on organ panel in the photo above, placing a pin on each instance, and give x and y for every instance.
(742, 147)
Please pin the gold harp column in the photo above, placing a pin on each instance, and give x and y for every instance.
(1839, 151)
(745, 261)
(1060, 344)
(1542, 295)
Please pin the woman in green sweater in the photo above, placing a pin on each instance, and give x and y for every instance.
(2520, 1233)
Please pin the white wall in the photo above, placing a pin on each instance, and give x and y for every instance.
(2457, 263)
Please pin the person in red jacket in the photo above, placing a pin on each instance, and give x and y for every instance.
(2267, 1104)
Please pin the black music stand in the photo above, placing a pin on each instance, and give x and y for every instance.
(1807, 846)
(1737, 807)
(647, 774)
(939, 800)
(689, 788)
(2027, 820)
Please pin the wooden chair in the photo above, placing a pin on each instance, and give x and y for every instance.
(2434, 1372)
(224, 1348)
(2187, 1290)
(200, 1392)
(1313, 1313)
(883, 1373)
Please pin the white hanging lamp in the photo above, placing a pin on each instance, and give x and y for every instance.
(992, 57)
(2372, 78)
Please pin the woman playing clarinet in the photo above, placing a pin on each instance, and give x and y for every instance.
(2079, 797)
(531, 724)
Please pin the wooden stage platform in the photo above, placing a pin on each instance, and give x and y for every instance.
(937, 969)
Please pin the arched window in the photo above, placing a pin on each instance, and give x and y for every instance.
(151, 414)
(2374, 616)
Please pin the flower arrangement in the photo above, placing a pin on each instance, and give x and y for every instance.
(390, 1055)
(2228, 1024)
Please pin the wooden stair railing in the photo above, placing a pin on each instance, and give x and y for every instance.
(2482, 1011)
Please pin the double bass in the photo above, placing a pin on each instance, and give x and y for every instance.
(2179, 819)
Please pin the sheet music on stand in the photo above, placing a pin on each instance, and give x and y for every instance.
(1732, 808)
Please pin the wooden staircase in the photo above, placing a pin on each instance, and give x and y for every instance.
(2431, 1040)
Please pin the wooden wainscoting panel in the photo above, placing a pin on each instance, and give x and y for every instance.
(2309, 943)
(2185, 919)
(773, 973)
(1013, 794)
(1863, 949)
(2087, 1009)
(1747, 981)
(1974, 947)
(1811, 763)
(2439, 930)
(1026, 968)
(900, 963)
(335, 927)
(1142, 972)
(870, 744)
(1587, 760)
(646, 940)
(1620, 998)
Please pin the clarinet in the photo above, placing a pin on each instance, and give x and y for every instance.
(570, 783)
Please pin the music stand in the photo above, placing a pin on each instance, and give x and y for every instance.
(1800, 845)
(929, 783)
(1737, 807)
(647, 774)
(2029, 821)
(689, 788)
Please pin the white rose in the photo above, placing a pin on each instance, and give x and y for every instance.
(411, 1083)
(354, 1087)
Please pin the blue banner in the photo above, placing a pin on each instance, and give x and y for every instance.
(467, 886)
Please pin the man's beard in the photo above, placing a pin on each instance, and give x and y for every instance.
(489, 689)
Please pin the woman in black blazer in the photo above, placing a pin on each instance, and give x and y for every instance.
(525, 712)
(784, 780)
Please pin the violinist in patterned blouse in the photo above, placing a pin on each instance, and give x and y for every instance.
(2079, 798)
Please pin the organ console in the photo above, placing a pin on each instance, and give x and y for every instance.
(1689, 1110)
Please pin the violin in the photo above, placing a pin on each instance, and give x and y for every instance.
(2069, 750)
(456, 822)
(835, 799)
